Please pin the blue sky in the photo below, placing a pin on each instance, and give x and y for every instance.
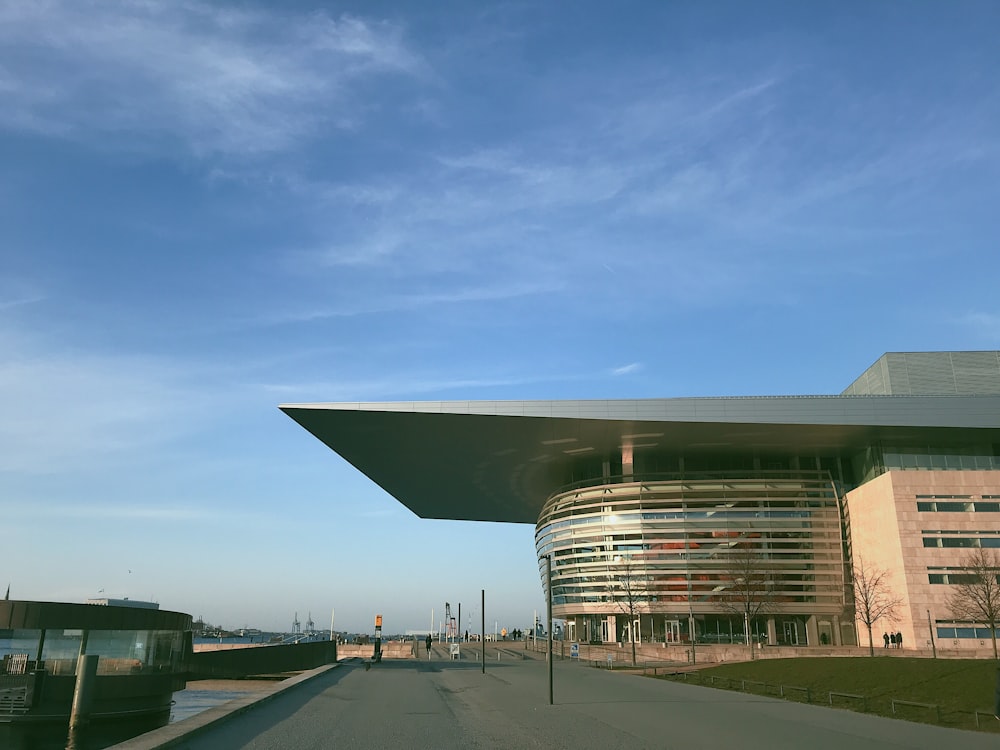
(207, 210)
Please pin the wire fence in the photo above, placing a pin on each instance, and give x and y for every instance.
(881, 705)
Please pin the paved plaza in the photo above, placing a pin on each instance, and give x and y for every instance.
(440, 703)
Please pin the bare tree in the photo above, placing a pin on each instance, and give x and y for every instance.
(628, 590)
(873, 597)
(750, 589)
(976, 594)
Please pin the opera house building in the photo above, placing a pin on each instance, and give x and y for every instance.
(675, 519)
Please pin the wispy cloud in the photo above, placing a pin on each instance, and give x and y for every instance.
(365, 252)
(627, 369)
(692, 180)
(376, 513)
(368, 303)
(17, 292)
(984, 324)
(7, 304)
(65, 410)
(374, 389)
(89, 511)
(217, 79)
(647, 161)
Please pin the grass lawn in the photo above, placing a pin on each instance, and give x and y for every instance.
(958, 686)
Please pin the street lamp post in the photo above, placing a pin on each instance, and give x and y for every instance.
(548, 575)
(691, 633)
(930, 629)
(687, 566)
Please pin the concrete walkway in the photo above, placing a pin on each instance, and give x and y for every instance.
(409, 704)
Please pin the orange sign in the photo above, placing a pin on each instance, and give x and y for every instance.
(378, 621)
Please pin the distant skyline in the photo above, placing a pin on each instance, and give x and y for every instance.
(208, 209)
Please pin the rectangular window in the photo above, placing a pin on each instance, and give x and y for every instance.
(952, 507)
(963, 631)
(945, 506)
(959, 541)
(987, 507)
(951, 578)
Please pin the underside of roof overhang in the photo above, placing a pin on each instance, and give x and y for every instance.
(500, 460)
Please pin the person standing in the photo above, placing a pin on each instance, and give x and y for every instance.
(892, 640)
(885, 637)
(899, 639)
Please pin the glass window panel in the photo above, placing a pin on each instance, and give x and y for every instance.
(19, 641)
(950, 507)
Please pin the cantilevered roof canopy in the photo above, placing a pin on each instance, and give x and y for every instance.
(500, 460)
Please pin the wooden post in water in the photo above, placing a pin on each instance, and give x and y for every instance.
(86, 678)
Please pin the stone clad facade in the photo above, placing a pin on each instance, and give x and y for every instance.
(920, 525)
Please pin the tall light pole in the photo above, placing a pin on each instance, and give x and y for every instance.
(687, 566)
(931, 629)
(691, 625)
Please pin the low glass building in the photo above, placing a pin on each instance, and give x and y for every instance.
(142, 659)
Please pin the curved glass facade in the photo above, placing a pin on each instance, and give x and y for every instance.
(689, 545)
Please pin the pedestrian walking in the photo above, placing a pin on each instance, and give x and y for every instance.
(428, 644)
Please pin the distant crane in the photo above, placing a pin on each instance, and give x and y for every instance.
(310, 625)
(296, 625)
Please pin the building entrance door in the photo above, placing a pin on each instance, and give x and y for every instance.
(608, 630)
(632, 632)
(791, 633)
(673, 631)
